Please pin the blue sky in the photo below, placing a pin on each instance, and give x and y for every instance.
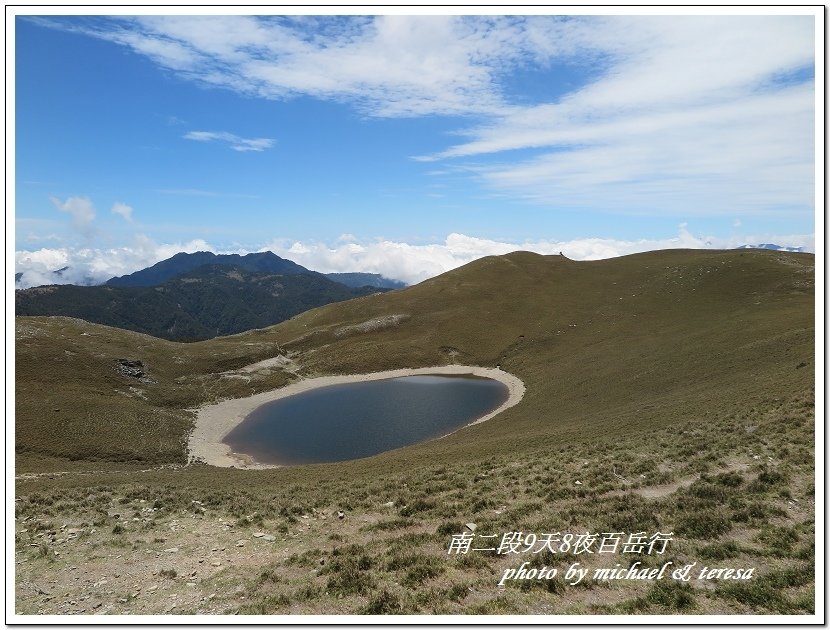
(407, 145)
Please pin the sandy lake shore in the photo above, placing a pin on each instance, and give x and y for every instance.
(214, 422)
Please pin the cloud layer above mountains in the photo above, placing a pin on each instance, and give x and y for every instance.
(410, 263)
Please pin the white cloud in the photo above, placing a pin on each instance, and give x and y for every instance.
(393, 259)
(414, 263)
(45, 259)
(690, 117)
(89, 265)
(123, 210)
(235, 142)
(171, 54)
(679, 115)
(387, 65)
(79, 208)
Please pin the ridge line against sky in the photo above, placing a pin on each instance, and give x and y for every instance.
(433, 139)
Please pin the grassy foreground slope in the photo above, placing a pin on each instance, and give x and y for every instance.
(676, 387)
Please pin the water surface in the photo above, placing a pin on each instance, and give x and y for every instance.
(353, 420)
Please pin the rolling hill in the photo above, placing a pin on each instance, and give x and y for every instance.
(669, 391)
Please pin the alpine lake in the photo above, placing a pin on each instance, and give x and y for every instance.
(354, 420)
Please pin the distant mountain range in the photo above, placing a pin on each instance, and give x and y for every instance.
(184, 303)
(260, 261)
(355, 279)
(263, 262)
(183, 263)
(773, 246)
(59, 274)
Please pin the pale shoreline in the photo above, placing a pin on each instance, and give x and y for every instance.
(214, 422)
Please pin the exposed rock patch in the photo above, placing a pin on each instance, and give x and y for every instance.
(370, 325)
(132, 368)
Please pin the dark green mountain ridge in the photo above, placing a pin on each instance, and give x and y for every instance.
(183, 263)
(205, 302)
(262, 261)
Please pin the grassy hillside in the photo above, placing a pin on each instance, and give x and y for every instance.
(676, 387)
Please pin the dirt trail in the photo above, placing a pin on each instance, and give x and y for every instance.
(61, 473)
(664, 490)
